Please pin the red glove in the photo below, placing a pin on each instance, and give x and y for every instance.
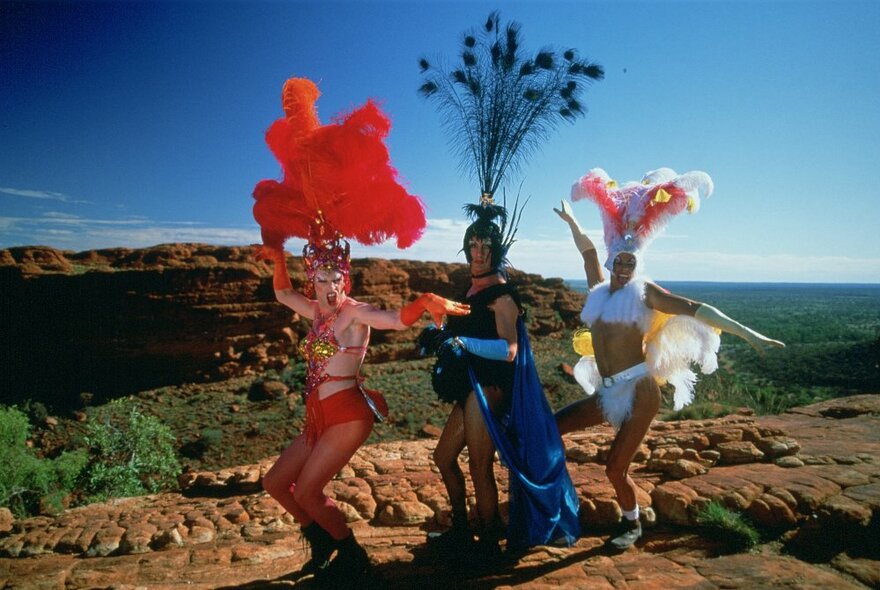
(435, 305)
(280, 278)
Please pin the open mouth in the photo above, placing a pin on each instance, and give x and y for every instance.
(331, 298)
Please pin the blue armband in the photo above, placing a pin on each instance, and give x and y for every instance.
(495, 350)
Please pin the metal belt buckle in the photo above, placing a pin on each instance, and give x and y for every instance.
(607, 381)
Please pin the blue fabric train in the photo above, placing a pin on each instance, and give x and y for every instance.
(543, 501)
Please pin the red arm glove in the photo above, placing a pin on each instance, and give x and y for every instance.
(434, 304)
(280, 278)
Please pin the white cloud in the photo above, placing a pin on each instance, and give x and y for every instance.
(553, 256)
(440, 242)
(59, 217)
(39, 194)
(71, 232)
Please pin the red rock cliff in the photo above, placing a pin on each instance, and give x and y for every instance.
(115, 321)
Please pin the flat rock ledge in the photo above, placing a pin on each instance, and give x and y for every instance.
(809, 480)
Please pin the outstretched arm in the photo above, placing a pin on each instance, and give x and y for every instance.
(715, 318)
(435, 305)
(664, 301)
(394, 319)
(584, 244)
(284, 292)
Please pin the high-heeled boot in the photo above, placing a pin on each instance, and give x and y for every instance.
(350, 562)
(458, 539)
(321, 545)
(488, 547)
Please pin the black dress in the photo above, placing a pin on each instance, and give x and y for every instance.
(450, 378)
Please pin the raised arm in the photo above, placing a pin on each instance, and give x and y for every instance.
(666, 302)
(284, 292)
(592, 267)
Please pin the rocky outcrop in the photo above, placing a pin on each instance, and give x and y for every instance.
(809, 478)
(112, 322)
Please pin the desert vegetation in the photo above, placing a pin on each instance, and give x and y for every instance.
(137, 444)
(122, 452)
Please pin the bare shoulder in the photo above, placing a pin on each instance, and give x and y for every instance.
(365, 313)
(503, 301)
(355, 308)
(505, 305)
(654, 290)
(660, 299)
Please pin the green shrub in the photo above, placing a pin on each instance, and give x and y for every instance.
(294, 375)
(36, 412)
(211, 437)
(724, 392)
(29, 484)
(130, 453)
(737, 533)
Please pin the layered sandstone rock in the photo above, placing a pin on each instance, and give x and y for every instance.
(221, 530)
(116, 321)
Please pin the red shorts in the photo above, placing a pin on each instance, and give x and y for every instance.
(346, 405)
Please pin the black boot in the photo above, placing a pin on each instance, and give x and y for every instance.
(457, 540)
(321, 545)
(488, 546)
(351, 562)
(625, 535)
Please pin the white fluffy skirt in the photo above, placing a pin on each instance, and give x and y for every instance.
(681, 342)
(615, 401)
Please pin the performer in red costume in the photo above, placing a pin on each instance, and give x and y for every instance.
(338, 183)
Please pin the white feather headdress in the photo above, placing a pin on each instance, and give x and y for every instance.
(634, 213)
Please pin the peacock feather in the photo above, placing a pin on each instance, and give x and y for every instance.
(500, 101)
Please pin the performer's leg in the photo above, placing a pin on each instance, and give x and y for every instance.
(446, 454)
(277, 482)
(330, 454)
(283, 473)
(646, 403)
(579, 415)
(481, 456)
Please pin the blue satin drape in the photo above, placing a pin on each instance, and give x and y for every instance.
(543, 501)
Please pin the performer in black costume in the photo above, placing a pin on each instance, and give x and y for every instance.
(499, 103)
(485, 367)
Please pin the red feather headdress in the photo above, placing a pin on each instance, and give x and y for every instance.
(634, 213)
(338, 182)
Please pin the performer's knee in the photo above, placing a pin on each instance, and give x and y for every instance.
(306, 496)
(616, 473)
(274, 486)
(481, 464)
(445, 462)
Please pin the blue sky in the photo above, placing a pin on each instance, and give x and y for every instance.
(135, 123)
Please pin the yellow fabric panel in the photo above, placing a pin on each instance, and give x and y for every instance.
(582, 342)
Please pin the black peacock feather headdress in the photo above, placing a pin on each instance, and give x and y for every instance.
(501, 102)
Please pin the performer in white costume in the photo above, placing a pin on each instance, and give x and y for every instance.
(641, 335)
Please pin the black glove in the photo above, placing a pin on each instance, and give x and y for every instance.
(431, 338)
